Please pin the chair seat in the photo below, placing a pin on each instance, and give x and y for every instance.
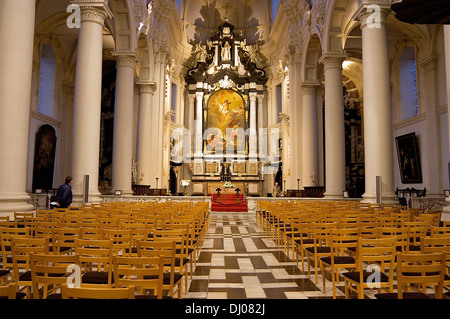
(305, 241)
(406, 295)
(96, 277)
(19, 295)
(151, 297)
(339, 260)
(4, 272)
(355, 276)
(54, 296)
(320, 250)
(166, 278)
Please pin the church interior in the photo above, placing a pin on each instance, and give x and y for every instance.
(265, 127)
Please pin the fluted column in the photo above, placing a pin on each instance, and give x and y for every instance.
(198, 125)
(87, 100)
(16, 64)
(144, 138)
(334, 126)
(252, 136)
(378, 137)
(123, 124)
(310, 146)
(446, 209)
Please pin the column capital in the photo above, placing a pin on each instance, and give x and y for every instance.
(94, 10)
(372, 13)
(252, 96)
(125, 59)
(309, 88)
(146, 87)
(330, 60)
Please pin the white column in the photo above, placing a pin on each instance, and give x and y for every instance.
(310, 146)
(144, 138)
(334, 127)
(446, 209)
(87, 101)
(123, 125)
(16, 64)
(378, 137)
(252, 136)
(191, 98)
(198, 125)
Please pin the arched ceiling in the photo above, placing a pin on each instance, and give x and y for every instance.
(203, 17)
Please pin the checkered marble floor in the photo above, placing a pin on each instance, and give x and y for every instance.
(239, 260)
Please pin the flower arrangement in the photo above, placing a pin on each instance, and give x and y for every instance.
(228, 185)
(185, 182)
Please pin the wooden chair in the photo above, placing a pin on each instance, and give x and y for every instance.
(342, 239)
(122, 240)
(50, 272)
(417, 230)
(172, 279)
(63, 239)
(321, 237)
(179, 236)
(376, 254)
(19, 218)
(144, 273)
(402, 236)
(430, 245)
(10, 292)
(6, 234)
(417, 272)
(21, 248)
(96, 292)
(95, 258)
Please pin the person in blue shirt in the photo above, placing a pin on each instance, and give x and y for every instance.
(64, 195)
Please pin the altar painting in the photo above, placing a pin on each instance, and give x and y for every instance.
(226, 123)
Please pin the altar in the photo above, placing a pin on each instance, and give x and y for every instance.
(226, 89)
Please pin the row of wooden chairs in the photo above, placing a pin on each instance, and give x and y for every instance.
(328, 239)
(64, 238)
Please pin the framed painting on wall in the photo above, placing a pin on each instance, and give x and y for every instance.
(409, 159)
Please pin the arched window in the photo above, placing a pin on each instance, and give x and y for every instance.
(47, 77)
(408, 83)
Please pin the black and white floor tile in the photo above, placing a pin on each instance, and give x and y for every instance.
(239, 260)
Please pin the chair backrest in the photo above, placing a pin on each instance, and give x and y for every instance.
(401, 234)
(96, 292)
(122, 240)
(8, 291)
(6, 235)
(21, 248)
(93, 253)
(342, 239)
(64, 238)
(50, 271)
(430, 245)
(141, 272)
(421, 269)
(377, 251)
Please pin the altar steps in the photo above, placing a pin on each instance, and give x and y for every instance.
(228, 203)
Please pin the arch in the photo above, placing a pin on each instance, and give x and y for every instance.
(313, 51)
(124, 33)
(144, 52)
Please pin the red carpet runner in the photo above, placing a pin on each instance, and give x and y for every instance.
(228, 203)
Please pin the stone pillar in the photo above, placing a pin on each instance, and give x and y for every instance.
(87, 100)
(191, 121)
(334, 126)
(144, 138)
(123, 124)
(198, 125)
(16, 64)
(378, 137)
(310, 146)
(446, 209)
(252, 134)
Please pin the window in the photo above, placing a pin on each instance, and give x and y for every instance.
(47, 81)
(408, 83)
